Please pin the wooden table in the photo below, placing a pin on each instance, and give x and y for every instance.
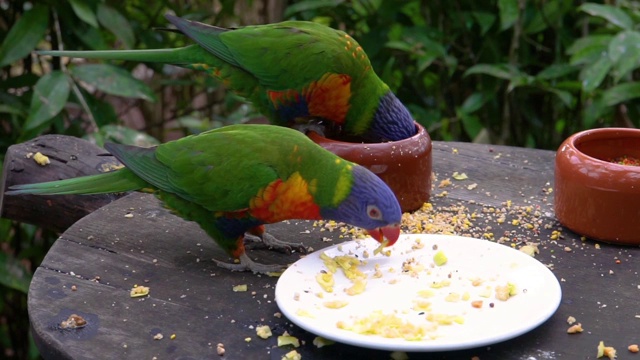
(92, 267)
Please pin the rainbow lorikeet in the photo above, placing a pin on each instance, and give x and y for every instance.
(234, 179)
(294, 72)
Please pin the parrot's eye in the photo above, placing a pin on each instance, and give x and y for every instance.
(374, 212)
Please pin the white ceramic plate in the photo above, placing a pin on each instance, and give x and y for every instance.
(410, 297)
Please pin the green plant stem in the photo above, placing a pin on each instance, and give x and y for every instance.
(93, 127)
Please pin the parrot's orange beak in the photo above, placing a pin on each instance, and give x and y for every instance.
(387, 235)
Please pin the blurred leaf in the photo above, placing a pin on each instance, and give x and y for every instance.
(555, 71)
(82, 9)
(586, 49)
(485, 20)
(111, 19)
(566, 97)
(92, 38)
(124, 135)
(624, 51)
(594, 111)
(113, 80)
(49, 98)
(549, 14)
(8, 109)
(501, 71)
(24, 35)
(508, 13)
(475, 101)
(593, 74)
(614, 15)
(623, 43)
(621, 93)
(471, 125)
(308, 5)
(13, 274)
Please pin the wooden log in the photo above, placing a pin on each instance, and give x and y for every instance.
(68, 157)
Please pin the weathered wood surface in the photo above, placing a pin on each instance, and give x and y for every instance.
(192, 298)
(68, 157)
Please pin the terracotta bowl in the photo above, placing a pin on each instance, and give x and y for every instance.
(404, 165)
(594, 196)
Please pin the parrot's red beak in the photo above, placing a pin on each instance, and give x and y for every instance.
(387, 235)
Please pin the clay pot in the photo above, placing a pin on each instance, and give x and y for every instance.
(404, 165)
(593, 196)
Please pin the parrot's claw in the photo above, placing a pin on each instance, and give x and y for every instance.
(311, 126)
(269, 241)
(246, 264)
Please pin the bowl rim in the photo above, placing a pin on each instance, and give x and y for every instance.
(573, 142)
(421, 134)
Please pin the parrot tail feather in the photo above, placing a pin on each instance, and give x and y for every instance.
(178, 56)
(115, 181)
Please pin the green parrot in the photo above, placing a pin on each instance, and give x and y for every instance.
(294, 72)
(233, 180)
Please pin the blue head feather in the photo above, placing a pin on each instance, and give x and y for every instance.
(392, 121)
(367, 190)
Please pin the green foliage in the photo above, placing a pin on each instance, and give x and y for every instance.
(519, 72)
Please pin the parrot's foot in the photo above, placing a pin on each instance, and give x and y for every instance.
(246, 264)
(269, 241)
(311, 126)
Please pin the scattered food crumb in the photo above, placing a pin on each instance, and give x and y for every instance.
(571, 320)
(158, 336)
(74, 321)
(172, 337)
(292, 355)
(607, 351)
(40, 159)
(286, 339)
(220, 349)
(247, 339)
(319, 342)
(240, 288)
(74, 288)
(399, 355)
(575, 329)
(263, 331)
(634, 348)
(459, 176)
(128, 215)
(139, 291)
